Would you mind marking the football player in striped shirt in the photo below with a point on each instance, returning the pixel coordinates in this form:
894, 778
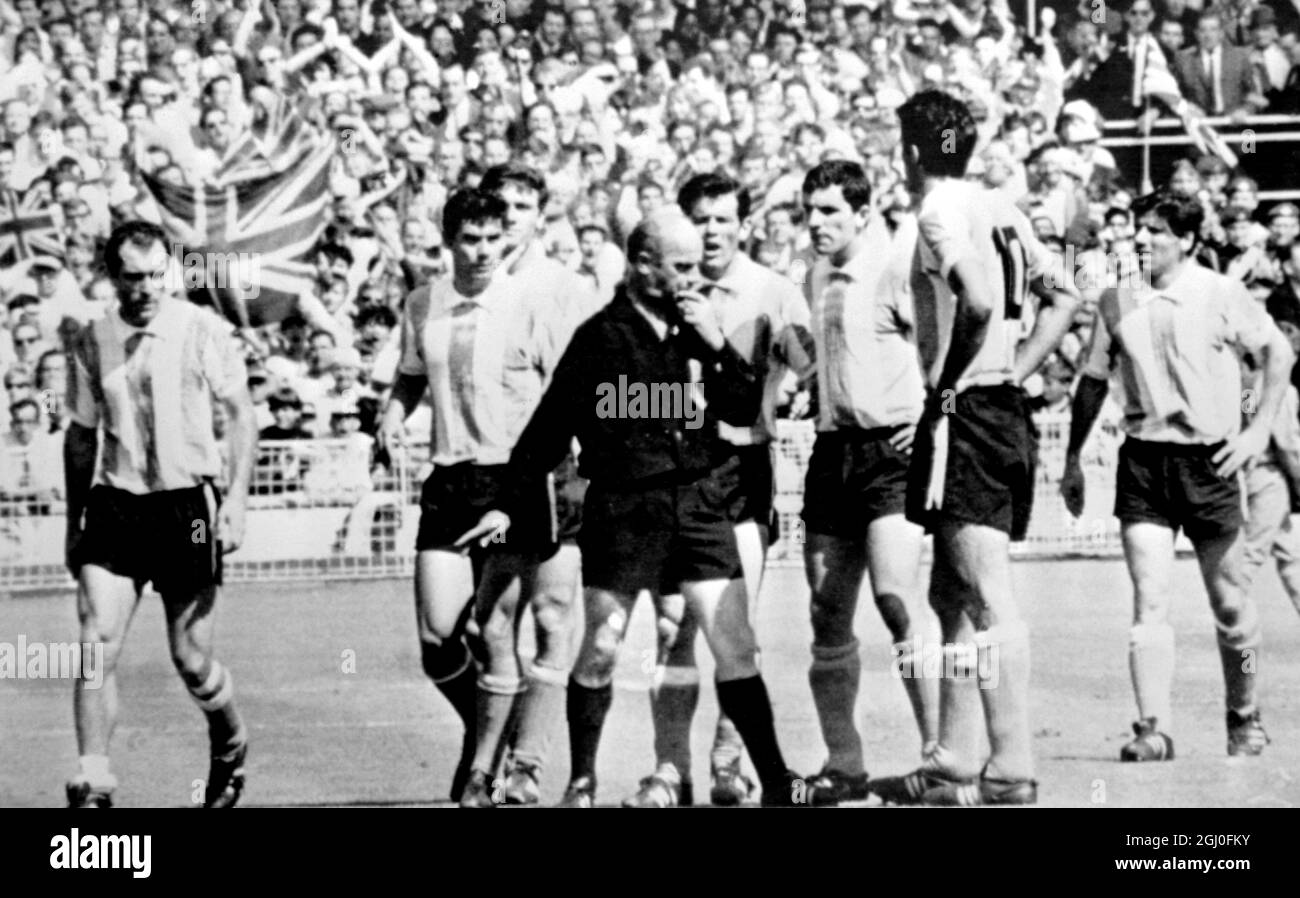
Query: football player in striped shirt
991, 304
142, 460
1173, 347
483, 353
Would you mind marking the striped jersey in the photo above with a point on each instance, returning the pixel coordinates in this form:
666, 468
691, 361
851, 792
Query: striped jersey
1175, 355
862, 319
153, 391
488, 358
961, 220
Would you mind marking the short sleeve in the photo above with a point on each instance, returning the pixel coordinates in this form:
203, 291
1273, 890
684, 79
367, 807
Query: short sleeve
220, 358
1249, 326
411, 361
946, 235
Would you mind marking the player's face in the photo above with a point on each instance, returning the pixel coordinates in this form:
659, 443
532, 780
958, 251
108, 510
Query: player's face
522, 214
717, 219
1159, 249
141, 282
476, 253
832, 223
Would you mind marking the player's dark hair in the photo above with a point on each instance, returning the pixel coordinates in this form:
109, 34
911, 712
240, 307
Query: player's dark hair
847, 175
471, 204
942, 130
140, 234
498, 176
713, 185
1183, 214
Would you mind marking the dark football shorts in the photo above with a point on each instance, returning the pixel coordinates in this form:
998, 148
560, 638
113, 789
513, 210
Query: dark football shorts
992, 458
1176, 486
167, 538
570, 490
854, 477
659, 537
455, 497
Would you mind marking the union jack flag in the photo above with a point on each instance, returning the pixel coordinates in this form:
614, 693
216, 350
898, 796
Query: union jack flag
245, 234
27, 228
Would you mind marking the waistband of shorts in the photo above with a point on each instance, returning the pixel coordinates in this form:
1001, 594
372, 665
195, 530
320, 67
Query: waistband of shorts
160, 495
1185, 450
666, 480
861, 434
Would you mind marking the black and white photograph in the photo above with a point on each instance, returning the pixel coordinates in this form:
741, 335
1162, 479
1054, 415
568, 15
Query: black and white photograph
416, 404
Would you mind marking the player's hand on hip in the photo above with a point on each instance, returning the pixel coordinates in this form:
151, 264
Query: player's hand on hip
904, 438
490, 527
230, 526
698, 312
1236, 452
1072, 487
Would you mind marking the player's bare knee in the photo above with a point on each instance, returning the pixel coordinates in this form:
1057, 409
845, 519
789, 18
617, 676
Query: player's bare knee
893, 611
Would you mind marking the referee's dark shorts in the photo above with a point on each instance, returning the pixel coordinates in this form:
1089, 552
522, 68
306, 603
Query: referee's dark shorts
662, 531
167, 538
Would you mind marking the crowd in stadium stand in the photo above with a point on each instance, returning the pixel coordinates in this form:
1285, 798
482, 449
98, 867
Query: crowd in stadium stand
618, 103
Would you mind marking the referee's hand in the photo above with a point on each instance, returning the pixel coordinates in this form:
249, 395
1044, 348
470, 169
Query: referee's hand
699, 313
491, 527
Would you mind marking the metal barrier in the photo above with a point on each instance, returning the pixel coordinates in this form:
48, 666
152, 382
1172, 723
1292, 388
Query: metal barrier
316, 511
1267, 148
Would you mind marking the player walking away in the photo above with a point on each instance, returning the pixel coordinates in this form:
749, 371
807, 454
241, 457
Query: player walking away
976, 272
1273, 479
1175, 345
534, 704
766, 321
483, 353
870, 396
142, 460
660, 476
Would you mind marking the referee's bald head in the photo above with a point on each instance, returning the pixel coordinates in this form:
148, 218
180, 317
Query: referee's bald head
664, 252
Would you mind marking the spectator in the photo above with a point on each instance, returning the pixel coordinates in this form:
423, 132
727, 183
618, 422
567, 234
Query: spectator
31, 477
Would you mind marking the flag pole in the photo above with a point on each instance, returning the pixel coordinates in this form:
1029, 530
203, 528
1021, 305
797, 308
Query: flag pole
1145, 129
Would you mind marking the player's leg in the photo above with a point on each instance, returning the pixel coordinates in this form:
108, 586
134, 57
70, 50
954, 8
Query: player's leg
506, 576
191, 623
444, 588
955, 756
722, 609
553, 594
1149, 553
591, 687
106, 603
835, 567
1286, 551
674, 696
1239, 634
730, 785
1269, 501
894, 547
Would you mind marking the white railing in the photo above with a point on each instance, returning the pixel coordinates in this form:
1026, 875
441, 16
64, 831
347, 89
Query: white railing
317, 512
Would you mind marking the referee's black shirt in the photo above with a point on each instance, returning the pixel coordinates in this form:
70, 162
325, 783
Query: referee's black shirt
625, 452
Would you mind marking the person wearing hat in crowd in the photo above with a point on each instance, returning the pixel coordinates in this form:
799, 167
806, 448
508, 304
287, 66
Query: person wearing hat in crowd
346, 390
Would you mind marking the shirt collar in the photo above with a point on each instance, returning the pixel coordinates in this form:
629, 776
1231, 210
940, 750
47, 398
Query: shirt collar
155, 328
1188, 287
733, 279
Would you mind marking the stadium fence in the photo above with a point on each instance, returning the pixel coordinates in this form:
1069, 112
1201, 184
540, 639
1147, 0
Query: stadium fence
317, 511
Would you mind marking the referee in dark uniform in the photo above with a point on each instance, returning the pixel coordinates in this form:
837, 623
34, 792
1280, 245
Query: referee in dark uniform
643, 386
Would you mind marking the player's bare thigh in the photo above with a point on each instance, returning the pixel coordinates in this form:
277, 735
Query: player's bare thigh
444, 585
106, 604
